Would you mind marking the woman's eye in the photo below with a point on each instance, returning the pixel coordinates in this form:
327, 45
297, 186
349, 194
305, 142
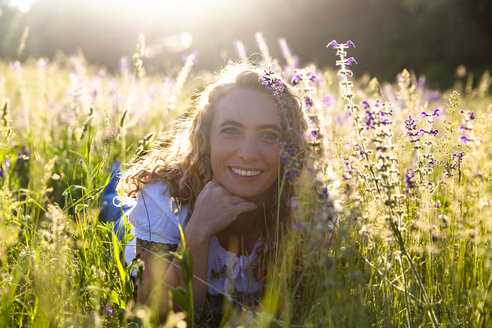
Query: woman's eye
230, 131
270, 136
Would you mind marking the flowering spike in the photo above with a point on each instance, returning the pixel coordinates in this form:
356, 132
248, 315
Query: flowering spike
333, 44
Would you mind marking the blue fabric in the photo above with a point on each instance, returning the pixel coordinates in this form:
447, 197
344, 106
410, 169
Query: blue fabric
109, 211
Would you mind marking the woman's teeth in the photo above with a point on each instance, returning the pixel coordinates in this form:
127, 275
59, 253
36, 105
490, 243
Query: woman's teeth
245, 173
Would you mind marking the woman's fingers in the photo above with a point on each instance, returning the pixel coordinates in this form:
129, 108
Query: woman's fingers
244, 207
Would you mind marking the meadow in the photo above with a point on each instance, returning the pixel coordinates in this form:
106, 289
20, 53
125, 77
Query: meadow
392, 220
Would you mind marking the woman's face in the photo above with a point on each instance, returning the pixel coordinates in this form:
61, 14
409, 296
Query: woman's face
243, 150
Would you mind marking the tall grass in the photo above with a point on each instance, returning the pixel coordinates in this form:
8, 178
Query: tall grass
392, 219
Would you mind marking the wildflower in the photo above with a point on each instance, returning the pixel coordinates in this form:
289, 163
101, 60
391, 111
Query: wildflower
349, 43
290, 157
436, 112
464, 140
42, 63
108, 310
409, 181
458, 156
313, 119
348, 169
309, 102
327, 100
296, 79
297, 226
16, 64
313, 78
333, 44
124, 64
366, 104
293, 204
350, 61
241, 50
369, 119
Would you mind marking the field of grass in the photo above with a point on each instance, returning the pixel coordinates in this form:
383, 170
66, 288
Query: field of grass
393, 221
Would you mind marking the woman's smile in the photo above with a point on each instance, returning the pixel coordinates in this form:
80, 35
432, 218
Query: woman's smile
243, 143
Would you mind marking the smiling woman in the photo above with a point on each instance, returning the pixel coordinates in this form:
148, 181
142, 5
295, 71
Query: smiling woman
220, 169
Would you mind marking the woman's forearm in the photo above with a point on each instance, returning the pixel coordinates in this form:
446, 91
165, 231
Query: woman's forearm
197, 245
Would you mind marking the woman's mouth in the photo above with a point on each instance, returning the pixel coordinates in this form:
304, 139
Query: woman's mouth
245, 173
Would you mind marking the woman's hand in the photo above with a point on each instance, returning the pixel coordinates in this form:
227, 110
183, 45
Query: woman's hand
215, 209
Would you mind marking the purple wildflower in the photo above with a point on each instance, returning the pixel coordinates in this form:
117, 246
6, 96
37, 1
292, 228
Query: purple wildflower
309, 102
472, 115
293, 204
297, 226
410, 124
313, 119
296, 79
434, 132
349, 43
108, 310
424, 114
124, 64
369, 119
436, 112
409, 180
350, 61
366, 104
458, 156
327, 100
313, 78
16, 64
333, 44
314, 134
464, 140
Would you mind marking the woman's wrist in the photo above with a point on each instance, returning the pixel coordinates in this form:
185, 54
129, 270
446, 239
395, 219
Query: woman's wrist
196, 236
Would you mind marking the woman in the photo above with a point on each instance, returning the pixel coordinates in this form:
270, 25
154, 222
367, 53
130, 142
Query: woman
218, 179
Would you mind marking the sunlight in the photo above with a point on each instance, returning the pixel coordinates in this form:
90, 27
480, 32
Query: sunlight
23, 5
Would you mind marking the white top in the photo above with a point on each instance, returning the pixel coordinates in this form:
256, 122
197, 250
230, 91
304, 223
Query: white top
153, 219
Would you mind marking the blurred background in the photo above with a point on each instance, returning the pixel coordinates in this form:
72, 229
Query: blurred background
430, 37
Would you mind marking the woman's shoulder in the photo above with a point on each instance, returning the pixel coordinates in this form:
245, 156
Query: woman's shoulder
155, 215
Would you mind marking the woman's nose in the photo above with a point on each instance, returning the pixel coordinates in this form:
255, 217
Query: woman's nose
248, 148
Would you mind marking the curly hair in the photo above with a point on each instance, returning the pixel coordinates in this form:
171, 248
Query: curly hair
182, 158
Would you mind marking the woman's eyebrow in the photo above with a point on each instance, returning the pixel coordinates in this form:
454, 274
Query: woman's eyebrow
269, 126
231, 122
259, 127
